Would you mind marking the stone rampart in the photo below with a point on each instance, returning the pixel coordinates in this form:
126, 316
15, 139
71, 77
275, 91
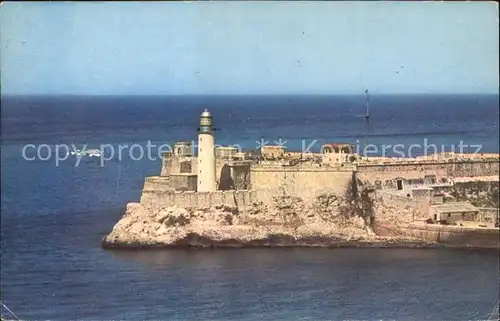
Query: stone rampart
399, 208
155, 200
441, 234
158, 183
474, 168
306, 182
385, 176
419, 169
157, 193
471, 237
184, 182
172, 164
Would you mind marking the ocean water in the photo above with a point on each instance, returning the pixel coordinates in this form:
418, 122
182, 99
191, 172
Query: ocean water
54, 215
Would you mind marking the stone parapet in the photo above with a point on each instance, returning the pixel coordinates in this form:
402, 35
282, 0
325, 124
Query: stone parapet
451, 168
155, 199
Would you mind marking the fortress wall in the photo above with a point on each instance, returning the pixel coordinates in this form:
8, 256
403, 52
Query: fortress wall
269, 182
174, 164
241, 177
414, 170
397, 208
158, 183
387, 175
484, 238
170, 183
422, 200
306, 183
450, 235
231, 176
474, 168
242, 198
154, 200
194, 165
183, 182
166, 165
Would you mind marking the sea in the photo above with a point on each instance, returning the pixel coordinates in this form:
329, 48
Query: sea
55, 209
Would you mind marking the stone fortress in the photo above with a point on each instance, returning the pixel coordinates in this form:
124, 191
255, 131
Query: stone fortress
224, 175
311, 195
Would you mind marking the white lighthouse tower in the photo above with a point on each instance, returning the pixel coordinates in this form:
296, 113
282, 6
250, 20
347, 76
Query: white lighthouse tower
206, 154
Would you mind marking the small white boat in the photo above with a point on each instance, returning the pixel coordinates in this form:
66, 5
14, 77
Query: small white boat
89, 152
94, 153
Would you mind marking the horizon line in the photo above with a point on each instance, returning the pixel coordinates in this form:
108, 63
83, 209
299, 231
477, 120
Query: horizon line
247, 95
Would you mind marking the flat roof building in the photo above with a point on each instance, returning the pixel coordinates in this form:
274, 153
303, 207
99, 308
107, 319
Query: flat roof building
453, 212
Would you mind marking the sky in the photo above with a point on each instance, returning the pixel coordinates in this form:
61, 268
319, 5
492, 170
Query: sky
178, 48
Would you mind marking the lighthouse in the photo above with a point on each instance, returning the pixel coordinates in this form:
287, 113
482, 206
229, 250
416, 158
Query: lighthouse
206, 154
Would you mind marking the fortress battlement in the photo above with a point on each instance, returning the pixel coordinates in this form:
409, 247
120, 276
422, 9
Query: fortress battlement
221, 194
235, 178
304, 168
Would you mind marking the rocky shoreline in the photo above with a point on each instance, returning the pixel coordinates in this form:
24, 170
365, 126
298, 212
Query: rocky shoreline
195, 241
327, 222
200, 242
274, 241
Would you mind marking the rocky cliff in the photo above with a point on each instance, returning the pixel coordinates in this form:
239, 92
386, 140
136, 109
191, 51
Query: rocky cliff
287, 220
328, 220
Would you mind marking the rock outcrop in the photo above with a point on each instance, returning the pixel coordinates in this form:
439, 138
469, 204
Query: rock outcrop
329, 220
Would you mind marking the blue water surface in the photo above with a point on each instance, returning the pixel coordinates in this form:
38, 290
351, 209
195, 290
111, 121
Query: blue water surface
54, 215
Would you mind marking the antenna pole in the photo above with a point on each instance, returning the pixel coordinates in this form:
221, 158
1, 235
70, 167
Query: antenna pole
367, 118
367, 103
